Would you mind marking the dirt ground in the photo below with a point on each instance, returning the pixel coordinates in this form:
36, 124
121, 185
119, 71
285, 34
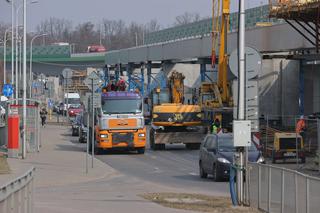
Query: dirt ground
195, 202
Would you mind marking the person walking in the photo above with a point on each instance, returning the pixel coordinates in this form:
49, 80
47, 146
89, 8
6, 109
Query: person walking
43, 116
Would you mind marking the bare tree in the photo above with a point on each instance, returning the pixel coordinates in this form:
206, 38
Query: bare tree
58, 30
187, 18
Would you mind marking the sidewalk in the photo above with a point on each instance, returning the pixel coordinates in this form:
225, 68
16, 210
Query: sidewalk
62, 185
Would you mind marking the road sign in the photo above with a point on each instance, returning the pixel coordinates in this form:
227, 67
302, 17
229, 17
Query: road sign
94, 80
253, 63
96, 100
7, 90
252, 103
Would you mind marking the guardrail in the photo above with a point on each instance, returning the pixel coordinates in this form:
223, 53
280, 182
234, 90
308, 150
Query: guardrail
275, 189
17, 195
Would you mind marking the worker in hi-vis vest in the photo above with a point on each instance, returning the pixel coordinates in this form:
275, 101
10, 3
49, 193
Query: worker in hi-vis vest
216, 126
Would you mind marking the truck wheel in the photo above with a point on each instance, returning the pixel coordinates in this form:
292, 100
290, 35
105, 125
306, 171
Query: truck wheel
151, 139
202, 173
303, 160
141, 150
215, 173
193, 146
97, 151
274, 160
160, 146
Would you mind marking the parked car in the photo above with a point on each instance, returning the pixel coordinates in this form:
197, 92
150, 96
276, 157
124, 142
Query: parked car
83, 134
76, 125
216, 155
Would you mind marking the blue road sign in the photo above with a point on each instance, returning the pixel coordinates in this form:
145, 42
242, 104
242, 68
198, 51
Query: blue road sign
7, 90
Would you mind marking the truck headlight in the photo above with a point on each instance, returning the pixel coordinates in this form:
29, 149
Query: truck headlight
103, 136
141, 135
199, 115
261, 159
223, 160
155, 116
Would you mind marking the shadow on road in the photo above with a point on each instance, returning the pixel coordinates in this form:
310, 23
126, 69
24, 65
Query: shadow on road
66, 147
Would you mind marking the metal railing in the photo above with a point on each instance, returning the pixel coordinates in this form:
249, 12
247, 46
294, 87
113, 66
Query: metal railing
274, 189
17, 195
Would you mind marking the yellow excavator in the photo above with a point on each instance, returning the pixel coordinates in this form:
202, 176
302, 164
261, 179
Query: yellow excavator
172, 120
215, 97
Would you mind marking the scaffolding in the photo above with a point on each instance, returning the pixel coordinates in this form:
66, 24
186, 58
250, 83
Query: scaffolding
302, 15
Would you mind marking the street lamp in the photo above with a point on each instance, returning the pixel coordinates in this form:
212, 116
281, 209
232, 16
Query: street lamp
4, 55
16, 43
12, 37
30, 62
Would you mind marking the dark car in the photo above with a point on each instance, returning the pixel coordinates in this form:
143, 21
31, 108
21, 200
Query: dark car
216, 155
83, 134
76, 125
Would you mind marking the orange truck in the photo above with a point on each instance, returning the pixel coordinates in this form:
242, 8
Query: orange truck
119, 123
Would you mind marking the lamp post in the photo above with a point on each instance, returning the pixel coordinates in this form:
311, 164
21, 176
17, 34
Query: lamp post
12, 38
4, 56
30, 62
24, 101
16, 43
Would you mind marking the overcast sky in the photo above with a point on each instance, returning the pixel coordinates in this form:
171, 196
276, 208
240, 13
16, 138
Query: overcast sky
140, 11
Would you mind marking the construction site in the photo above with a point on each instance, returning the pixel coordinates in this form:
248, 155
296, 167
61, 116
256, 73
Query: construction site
232, 98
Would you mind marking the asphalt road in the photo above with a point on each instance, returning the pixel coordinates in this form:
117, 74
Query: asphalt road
175, 167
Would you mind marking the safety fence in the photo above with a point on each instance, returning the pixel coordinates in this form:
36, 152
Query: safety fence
274, 189
17, 195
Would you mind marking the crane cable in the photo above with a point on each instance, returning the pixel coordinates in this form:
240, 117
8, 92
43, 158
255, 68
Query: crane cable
216, 8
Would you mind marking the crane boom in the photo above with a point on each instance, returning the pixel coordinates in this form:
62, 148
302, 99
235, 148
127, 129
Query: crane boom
219, 39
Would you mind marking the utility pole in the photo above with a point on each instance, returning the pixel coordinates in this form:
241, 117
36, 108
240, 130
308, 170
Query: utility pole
240, 157
12, 40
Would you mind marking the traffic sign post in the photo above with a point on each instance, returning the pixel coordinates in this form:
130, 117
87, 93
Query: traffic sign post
7, 90
93, 82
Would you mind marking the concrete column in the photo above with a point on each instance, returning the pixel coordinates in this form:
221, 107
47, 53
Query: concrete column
149, 73
301, 88
142, 80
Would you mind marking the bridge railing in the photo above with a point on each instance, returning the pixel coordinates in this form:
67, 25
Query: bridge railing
17, 195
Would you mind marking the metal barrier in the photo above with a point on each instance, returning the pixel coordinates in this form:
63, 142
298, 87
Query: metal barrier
274, 189
17, 196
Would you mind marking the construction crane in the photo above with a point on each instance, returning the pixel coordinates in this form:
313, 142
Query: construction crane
219, 39
216, 98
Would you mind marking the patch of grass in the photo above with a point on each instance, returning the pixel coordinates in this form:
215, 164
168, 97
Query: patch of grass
196, 202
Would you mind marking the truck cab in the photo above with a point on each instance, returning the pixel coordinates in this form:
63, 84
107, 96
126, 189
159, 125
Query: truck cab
120, 122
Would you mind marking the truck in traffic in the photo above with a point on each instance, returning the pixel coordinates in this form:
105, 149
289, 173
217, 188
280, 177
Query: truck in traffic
119, 122
71, 100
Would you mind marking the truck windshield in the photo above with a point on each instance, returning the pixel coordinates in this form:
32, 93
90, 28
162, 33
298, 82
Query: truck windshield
122, 106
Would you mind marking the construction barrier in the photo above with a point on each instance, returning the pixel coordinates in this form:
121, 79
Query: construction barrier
32, 125
13, 135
